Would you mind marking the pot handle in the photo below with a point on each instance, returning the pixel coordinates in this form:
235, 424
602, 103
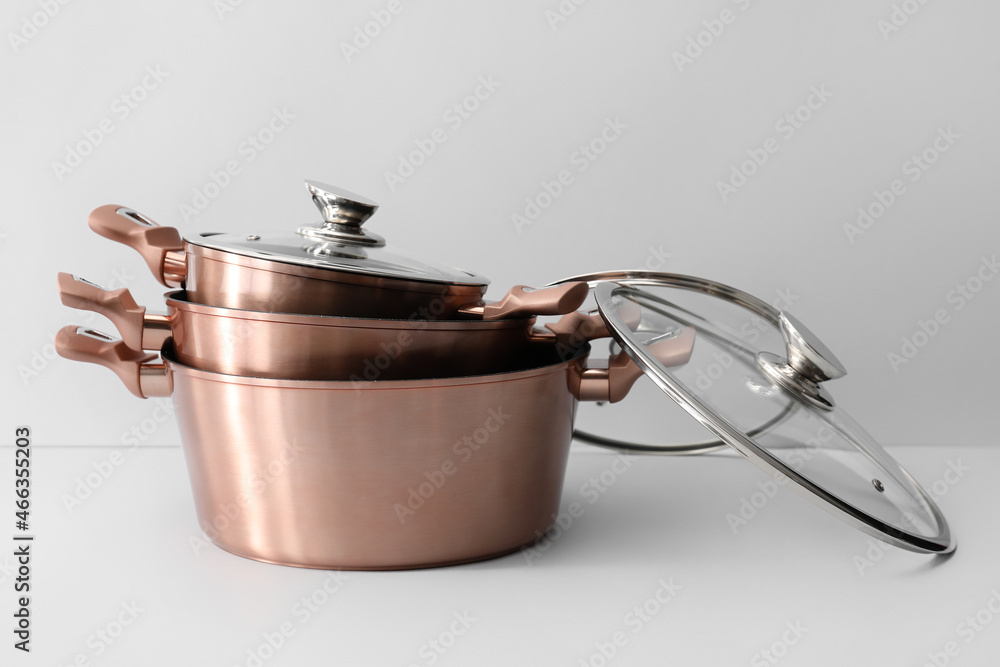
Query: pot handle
142, 378
161, 247
579, 327
138, 330
524, 301
611, 380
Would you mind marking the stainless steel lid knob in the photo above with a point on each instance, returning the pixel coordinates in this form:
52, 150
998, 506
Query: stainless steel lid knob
806, 352
343, 214
809, 363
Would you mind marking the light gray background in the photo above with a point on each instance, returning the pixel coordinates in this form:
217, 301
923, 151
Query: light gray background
652, 191
650, 198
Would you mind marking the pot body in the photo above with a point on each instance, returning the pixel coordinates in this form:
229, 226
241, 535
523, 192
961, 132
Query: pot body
379, 475
217, 278
311, 347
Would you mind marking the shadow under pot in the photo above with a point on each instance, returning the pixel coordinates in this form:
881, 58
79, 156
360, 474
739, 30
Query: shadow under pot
374, 475
331, 268
317, 347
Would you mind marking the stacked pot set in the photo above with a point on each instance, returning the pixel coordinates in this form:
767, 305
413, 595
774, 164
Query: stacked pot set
346, 406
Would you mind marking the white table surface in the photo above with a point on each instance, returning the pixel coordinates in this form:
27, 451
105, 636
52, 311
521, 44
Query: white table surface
663, 520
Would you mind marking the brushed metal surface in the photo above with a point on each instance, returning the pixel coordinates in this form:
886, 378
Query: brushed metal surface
314, 474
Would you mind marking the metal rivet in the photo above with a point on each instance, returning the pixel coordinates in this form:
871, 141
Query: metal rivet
253, 237
878, 485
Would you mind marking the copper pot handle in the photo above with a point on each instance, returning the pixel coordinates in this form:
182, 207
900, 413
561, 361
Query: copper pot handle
142, 378
524, 301
139, 330
611, 380
578, 327
161, 247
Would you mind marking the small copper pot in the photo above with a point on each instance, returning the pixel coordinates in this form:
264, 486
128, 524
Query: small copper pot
316, 347
376, 475
331, 268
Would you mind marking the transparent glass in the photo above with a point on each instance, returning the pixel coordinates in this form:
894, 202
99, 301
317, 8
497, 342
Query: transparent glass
726, 389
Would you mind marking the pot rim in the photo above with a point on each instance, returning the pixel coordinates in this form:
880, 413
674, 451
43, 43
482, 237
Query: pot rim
176, 300
174, 366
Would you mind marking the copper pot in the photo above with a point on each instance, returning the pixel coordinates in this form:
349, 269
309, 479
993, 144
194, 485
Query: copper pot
333, 268
376, 475
317, 347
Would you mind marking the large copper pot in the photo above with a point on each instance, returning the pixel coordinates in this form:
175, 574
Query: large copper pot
377, 475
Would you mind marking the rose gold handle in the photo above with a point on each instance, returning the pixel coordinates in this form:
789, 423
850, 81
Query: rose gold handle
139, 330
611, 381
161, 247
140, 377
577, 327
524, 301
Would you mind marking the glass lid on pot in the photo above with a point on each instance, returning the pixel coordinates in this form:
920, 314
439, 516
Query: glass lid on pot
338, 243
754, 376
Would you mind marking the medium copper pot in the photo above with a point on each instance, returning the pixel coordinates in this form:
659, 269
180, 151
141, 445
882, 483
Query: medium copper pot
377, 475
317, 347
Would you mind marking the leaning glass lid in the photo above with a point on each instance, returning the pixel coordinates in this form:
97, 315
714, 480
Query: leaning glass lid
755, 377
338, 243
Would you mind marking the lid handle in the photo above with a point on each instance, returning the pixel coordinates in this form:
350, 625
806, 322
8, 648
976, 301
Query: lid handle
806, 352
809, 364
343, 214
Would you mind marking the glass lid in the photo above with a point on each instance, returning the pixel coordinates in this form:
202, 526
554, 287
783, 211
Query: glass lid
338, 243
754, 378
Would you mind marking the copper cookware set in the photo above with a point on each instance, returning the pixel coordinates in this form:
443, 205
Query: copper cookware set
363, 376
344, 406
